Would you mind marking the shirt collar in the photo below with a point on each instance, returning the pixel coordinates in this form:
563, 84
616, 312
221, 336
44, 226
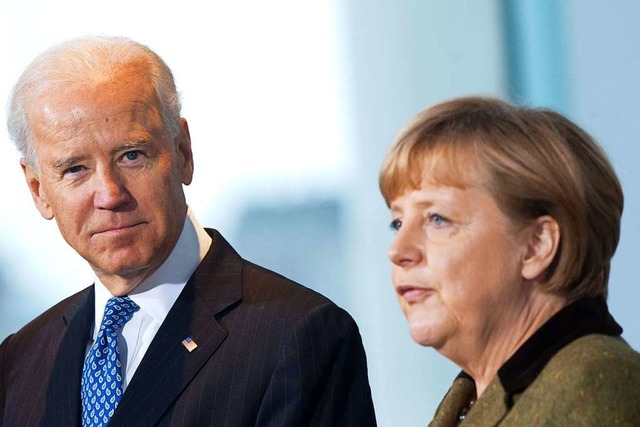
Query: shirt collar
157, 293
583, 317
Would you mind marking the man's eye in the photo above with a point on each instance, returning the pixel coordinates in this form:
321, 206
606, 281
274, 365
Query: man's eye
395, 225
74, 169
132, 155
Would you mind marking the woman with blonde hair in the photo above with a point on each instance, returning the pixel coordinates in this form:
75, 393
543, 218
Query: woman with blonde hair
506, 220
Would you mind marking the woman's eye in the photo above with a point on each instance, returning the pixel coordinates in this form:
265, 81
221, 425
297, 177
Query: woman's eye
437, 220
395, 225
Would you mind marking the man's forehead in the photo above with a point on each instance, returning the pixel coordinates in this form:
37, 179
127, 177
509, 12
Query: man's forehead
75, 97
135, 76
87, 115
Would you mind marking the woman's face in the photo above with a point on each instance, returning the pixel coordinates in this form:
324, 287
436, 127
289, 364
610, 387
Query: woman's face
457, 261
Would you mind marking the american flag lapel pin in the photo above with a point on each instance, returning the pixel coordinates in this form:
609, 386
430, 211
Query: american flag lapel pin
189, 344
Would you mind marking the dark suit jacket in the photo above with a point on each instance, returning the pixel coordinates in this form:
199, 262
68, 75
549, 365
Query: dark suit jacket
270, 353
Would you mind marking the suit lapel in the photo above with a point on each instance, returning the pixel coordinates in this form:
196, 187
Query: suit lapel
168, 366
63, 395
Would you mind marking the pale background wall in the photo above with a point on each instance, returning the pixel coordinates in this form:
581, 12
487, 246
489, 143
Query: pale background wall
316, 92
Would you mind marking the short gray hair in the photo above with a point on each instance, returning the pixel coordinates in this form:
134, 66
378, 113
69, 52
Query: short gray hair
76, 59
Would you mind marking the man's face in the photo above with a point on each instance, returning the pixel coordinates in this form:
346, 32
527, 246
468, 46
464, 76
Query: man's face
110, 174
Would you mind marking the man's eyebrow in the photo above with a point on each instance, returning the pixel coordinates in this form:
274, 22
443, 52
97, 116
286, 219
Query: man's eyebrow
134, 144
64, 164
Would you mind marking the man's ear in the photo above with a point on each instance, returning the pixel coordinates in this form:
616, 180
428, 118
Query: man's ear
37, 194
543, 241
185, 154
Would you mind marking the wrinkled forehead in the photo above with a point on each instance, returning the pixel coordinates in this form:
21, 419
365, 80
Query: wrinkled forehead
73, 98
440, 162
104, 80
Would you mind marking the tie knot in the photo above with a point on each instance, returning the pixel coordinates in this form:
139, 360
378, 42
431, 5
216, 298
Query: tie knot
117, 312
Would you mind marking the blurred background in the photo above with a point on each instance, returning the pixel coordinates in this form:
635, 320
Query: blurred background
295, 104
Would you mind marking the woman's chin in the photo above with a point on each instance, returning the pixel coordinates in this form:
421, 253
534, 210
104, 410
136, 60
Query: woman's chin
425, 333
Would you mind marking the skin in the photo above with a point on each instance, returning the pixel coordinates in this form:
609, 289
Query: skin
110, 174
466, 275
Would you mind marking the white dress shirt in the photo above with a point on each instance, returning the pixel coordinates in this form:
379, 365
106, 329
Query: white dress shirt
155, 296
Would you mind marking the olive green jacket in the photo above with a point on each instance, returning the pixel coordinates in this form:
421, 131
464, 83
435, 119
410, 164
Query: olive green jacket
593, 380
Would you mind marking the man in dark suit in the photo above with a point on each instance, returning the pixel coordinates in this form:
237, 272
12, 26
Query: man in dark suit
178, 329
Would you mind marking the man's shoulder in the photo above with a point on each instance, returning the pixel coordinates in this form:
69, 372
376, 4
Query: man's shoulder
258, 281
258, 285
265, 288
50, 320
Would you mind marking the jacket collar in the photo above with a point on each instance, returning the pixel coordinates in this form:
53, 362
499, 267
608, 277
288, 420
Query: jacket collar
167, 366
62, 406
583, 317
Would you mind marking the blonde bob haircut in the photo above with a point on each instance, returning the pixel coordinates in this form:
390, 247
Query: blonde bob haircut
534, 162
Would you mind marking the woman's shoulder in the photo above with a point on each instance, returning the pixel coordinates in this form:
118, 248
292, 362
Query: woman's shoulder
594, 378
597, 357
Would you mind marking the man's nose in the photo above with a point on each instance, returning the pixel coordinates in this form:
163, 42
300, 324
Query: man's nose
110, 191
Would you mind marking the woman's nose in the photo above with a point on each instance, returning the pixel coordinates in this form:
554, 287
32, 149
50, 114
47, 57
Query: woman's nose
407, 248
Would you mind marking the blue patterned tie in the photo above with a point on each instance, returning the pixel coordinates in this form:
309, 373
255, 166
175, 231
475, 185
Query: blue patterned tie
102, 372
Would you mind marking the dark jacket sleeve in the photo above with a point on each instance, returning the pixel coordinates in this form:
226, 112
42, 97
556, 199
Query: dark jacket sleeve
3, 349
321, 375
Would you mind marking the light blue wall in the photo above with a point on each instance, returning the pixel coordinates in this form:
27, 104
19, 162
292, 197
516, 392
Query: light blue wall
583, 58
535, 47
392, 58
399, 58
603, 65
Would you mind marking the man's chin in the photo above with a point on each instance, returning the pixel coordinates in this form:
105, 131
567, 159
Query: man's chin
129, 272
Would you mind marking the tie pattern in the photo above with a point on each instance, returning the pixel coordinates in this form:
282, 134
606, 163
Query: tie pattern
102, 372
